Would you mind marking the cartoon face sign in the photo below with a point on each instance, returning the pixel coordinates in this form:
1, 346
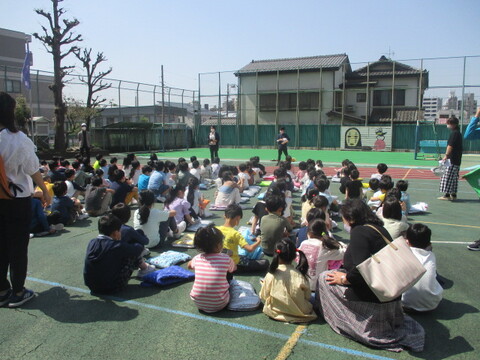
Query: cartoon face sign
353, 138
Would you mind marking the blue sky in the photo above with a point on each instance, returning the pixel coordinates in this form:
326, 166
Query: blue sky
190, 37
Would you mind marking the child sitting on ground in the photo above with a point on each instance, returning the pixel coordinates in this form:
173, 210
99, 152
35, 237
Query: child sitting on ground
69, 209
391, 214
73, 189
373, 184
384, 186
96, 164
285, 290
233, 239
215, 168
402, 185
176, 201
302, 170
156, 224
194, 197
124, 192
97, 197
243, 177
381, 169
302, 234
307, 204
274, 226
318, 165
109, 262
132, 236
210, 289
195, 169
206, 171
354, 187
144, 178
323, 252
426, 294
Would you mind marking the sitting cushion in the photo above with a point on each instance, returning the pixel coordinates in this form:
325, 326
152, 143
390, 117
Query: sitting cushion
242, 296
168, 276
265, 183
250, 192
168, 258
262, 195
198, 225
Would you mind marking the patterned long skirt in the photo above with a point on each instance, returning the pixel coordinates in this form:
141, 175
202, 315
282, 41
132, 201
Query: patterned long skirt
449, 180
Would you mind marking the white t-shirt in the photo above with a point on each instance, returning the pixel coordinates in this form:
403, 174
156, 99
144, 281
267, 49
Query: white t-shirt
152, 227
426, 294
70, 188
215, 169
20, 160
195, 172
245, 177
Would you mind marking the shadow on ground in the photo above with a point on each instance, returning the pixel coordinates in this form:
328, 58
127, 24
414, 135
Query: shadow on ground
63, 307
439, 344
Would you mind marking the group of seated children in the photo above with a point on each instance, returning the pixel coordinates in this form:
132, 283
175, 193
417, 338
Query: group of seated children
286, 290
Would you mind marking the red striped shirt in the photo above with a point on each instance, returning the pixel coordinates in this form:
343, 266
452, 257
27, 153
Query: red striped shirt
210, 289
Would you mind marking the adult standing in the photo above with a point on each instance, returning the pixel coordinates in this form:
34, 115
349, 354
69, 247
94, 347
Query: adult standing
213, 142
282, 142
346, 301
449, 180
21, 166
473, 133
84, 141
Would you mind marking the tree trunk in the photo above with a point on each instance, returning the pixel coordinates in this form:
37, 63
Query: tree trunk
58, 86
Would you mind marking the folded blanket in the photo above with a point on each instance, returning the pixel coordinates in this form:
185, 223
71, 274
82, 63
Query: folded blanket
168, 258
242, 296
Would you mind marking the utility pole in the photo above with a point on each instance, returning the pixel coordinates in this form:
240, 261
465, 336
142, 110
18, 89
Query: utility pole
163, 112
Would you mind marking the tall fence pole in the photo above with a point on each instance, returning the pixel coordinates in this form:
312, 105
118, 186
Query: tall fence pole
119, 101
463, 94
297, 110
163, 112
219, 110
367, 96
319, 130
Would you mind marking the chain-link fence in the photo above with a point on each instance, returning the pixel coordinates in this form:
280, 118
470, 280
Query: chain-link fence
316, 106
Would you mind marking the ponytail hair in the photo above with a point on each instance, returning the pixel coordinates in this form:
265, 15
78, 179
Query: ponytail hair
135, 165
192, 184
310, 195
286, 250
172, 194
146, 199
317, 228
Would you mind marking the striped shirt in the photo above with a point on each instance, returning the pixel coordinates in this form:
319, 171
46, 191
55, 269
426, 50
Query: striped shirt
210, 289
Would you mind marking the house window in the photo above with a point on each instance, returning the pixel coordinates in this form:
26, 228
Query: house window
13, 86
288, 101
384, 98
361, 97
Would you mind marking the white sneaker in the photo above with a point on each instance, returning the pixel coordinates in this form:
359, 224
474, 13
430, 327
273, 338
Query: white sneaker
170, 234
150, 268
145, 252
83, 216
57, 227
207, 214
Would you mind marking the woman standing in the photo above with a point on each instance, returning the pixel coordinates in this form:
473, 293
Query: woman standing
21, 166
345, 299
213, 141
449, 181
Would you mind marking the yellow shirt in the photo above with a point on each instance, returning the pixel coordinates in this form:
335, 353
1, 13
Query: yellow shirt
49, 187
282, 303
306, 206
96, 165
233, 239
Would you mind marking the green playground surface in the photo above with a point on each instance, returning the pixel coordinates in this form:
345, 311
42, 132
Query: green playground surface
66, 321
392, 159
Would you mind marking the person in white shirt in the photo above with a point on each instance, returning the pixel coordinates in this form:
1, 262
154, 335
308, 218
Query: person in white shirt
243, 177
195, 169
426, 294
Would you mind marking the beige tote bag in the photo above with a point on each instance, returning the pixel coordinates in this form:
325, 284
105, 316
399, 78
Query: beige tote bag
392, 270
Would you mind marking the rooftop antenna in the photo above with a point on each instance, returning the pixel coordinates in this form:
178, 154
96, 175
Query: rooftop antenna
390, 53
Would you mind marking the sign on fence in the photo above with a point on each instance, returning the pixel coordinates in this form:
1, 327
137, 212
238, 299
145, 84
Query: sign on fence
368, 138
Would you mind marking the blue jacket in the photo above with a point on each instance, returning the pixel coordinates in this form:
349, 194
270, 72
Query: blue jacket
473, 130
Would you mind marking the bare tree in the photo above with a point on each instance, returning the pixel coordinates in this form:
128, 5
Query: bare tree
93, 80
54, 39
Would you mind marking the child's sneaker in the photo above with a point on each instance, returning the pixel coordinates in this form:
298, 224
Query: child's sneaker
83, 216
142, 272
145, 252
5, 299
16, 301
57, 227
474, 246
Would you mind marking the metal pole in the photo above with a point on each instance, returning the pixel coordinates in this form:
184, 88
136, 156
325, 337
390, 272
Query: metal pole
163, 111
226, 107
297, 122
119, 102
199, 113
463, 93
238, 114
169, 106
343, 94
276, 101
367, 96
420, 91
393, 96
137, 103
256, 109
319, 130
183, 109
154, 104
219, 110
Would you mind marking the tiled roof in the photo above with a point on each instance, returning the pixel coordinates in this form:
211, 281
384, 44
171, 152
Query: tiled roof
400, 116
384, 67
303, 63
